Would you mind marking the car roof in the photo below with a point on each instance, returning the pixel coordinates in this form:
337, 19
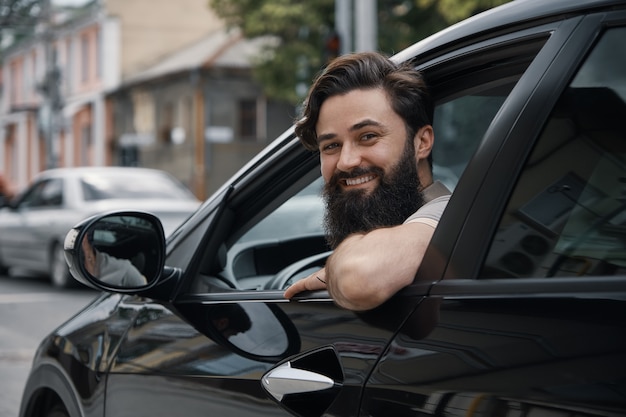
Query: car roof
509, 16
79, 171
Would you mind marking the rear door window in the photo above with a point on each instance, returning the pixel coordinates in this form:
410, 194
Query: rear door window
567, 213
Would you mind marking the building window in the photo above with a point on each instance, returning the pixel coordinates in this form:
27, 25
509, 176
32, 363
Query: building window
247, 119
84, 51
14, 84
69, 66
167, 122
98, 54
33, 74
85, 147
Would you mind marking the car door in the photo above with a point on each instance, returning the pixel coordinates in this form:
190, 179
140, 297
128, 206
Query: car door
255, 238
25, 238
207, 351
529, 320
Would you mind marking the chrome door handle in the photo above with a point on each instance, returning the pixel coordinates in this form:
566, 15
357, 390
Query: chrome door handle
285, 380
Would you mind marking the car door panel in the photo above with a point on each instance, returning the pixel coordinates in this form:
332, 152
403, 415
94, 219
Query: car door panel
490, 355
217, 376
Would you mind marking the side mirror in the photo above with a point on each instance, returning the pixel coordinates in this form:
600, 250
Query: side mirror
122, 252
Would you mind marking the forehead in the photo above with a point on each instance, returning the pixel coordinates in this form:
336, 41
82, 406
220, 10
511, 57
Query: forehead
345, 110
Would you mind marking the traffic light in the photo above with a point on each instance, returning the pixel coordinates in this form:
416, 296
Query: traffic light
332, 47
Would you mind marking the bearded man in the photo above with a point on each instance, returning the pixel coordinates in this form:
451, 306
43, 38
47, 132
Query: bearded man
371, 122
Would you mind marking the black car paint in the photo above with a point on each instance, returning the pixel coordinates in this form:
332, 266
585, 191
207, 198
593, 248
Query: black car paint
394, 362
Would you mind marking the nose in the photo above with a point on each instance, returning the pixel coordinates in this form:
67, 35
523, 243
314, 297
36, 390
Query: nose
349, 158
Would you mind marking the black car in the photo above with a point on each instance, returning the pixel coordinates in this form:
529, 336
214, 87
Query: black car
519, 308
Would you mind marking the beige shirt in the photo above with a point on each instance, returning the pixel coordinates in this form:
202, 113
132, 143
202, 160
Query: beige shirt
436, 197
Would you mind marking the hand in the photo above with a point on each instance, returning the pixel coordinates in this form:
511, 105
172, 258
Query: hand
90, 257
315, 281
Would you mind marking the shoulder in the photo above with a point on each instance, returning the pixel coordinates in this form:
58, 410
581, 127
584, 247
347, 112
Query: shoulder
437, 197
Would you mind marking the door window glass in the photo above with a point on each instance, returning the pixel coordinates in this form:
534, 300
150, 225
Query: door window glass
459, 126
567, 214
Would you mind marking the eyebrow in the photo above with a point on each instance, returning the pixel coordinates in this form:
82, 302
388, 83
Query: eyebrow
353, 128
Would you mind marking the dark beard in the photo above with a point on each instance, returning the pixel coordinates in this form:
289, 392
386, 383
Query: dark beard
390, 204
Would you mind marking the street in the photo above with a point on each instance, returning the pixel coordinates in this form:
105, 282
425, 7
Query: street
29, 309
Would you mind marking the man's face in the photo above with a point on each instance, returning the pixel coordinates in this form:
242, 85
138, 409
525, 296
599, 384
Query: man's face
368, 164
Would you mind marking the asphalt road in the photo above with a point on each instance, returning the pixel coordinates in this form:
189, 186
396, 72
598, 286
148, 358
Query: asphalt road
29, 309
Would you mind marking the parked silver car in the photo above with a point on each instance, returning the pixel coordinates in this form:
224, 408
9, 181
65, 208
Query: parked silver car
33, 226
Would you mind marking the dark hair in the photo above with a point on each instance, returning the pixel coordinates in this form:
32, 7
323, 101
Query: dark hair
403, 84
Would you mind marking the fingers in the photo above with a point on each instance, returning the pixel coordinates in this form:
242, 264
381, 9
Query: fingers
297, 287
315, 281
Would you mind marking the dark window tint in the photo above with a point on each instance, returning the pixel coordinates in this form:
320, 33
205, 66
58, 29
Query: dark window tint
567, 214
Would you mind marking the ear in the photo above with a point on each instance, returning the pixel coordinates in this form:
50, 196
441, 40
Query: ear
423, 141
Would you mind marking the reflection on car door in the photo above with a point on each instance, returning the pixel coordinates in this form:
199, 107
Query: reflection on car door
164, 357
489, 356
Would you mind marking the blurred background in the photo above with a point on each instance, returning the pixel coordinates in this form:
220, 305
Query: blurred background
192, 87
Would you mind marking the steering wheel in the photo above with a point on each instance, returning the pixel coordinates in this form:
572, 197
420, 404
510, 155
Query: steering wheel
296, 271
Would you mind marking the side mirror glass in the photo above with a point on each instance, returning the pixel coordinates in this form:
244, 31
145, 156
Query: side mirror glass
116, 251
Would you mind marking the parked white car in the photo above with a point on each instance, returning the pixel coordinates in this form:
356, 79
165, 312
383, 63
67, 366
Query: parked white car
33, 226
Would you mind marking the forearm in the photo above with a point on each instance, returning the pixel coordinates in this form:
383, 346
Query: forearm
366, 270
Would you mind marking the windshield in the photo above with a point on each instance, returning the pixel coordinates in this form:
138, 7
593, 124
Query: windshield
132, 186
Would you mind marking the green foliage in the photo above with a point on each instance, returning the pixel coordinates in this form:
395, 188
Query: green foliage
302, 28
18, 17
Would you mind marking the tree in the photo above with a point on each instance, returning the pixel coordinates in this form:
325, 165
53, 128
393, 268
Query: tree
303, 32
18, 17
299, 29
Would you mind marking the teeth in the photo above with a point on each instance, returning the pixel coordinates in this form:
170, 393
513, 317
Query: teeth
360, 180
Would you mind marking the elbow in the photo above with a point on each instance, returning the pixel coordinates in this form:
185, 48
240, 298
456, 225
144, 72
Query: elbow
355, 291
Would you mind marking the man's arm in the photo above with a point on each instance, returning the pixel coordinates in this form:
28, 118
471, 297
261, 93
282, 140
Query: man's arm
365, 270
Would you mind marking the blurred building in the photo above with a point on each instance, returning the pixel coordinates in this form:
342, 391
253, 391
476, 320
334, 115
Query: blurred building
197, 113
154, 83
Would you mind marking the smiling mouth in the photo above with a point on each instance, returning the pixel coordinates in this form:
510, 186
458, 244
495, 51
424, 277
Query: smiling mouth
359, 180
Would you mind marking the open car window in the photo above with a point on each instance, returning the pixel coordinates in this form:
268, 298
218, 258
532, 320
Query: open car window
287, 242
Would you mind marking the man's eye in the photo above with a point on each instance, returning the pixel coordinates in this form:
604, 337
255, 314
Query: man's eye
329, 147
368, 136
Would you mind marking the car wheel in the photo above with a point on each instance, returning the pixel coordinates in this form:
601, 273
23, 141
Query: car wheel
59, 271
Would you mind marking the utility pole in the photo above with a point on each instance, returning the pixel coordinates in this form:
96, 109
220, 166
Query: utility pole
356, 23
50, 88
343, 25
366, 25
